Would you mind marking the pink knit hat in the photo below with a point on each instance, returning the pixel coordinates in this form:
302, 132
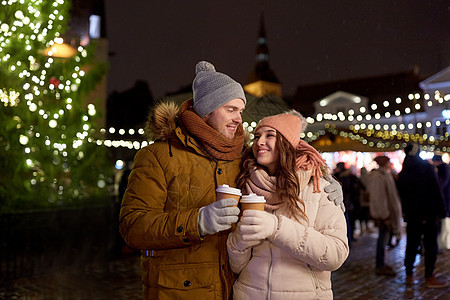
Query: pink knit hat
290, 126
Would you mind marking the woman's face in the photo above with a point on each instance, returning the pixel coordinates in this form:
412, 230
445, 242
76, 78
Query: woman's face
264, 148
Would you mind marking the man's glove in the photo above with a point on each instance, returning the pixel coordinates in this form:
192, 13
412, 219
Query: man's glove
334, 190
235, 240
217, 216
258, 225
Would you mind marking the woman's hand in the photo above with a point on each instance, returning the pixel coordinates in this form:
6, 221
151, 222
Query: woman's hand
257, 225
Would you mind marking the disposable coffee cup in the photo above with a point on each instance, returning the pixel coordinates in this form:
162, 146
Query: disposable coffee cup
252, 201
224, 192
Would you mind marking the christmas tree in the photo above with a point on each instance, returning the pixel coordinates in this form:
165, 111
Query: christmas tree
49, 155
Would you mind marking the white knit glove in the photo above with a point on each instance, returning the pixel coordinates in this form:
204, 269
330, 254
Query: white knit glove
334, 190
258, 225
217, 216
236, 242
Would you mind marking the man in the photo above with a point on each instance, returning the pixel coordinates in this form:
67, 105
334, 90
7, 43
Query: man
351, 187
385, 209
422, 207
169, 209
443, 173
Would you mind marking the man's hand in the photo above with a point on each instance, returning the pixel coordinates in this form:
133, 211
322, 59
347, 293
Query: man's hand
217, 216
334, 190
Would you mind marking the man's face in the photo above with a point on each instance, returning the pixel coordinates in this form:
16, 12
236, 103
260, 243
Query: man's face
226, 118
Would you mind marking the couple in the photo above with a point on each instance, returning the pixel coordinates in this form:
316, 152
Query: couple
170, 212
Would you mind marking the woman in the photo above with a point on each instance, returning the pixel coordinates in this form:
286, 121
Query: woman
385, 209
289, 250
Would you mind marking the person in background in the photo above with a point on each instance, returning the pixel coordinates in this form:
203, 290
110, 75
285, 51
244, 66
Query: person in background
443, 172
385, 209
350, 187
423, 207
364, 212
169, 210
288, 250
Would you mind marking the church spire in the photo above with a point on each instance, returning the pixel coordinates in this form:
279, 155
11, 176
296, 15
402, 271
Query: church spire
262, 80
262, 50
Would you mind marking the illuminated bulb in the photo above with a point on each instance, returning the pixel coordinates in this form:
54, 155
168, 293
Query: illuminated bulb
32, 107
52, 123
319, 117
23, 139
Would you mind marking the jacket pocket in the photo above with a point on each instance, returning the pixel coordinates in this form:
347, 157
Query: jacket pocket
314, 279
187, 276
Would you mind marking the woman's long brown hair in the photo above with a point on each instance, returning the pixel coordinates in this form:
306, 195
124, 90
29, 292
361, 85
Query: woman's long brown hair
287, 186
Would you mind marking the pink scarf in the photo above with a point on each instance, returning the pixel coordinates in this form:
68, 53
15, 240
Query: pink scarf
309, 159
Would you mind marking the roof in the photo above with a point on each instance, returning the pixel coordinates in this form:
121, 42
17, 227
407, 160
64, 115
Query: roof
438, 81
376, 88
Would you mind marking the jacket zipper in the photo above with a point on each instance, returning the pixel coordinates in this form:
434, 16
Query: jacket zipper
269, 278
313, 275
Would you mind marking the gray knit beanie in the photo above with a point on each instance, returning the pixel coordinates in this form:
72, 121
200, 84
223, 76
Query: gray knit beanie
213, 89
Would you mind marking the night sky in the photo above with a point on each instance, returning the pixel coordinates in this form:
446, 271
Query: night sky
309, 41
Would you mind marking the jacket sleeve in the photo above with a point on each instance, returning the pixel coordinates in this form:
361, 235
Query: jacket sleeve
143, 221
238, 259
323, 245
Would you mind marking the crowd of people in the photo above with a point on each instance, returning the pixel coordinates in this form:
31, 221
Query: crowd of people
193, 245
418, 196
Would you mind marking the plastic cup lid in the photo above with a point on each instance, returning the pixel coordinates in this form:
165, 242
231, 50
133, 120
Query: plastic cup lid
252, 198
228, 190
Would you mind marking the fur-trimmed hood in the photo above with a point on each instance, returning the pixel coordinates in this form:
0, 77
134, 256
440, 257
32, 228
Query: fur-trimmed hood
161, 121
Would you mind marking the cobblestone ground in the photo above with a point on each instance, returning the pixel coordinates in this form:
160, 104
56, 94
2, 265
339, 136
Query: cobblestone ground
119, 279
356, 279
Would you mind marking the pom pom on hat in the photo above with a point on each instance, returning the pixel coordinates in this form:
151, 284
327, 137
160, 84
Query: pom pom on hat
204, 66
212, 89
